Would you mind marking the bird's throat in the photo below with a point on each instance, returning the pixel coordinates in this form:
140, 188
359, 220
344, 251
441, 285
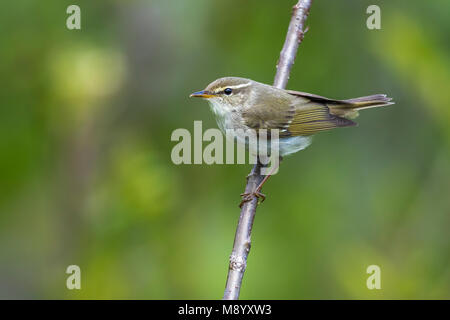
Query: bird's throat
223, 115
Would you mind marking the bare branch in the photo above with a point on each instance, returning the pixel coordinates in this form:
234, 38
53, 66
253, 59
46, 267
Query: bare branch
293, 38
242, 240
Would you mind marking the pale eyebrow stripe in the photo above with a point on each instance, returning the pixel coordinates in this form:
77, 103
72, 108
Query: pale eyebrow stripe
234, 87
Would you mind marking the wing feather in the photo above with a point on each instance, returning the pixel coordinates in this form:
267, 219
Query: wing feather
306, 115
313, 118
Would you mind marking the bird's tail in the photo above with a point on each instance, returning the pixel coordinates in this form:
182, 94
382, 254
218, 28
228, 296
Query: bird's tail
346, 108
349, 108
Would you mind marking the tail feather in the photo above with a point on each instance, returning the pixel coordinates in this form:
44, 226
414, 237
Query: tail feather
349, 108
376, 100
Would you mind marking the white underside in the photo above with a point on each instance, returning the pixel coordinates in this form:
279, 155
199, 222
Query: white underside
293, 144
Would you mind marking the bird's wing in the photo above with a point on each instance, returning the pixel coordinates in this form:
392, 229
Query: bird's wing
277, 115
297, 117
313, 117
315, 97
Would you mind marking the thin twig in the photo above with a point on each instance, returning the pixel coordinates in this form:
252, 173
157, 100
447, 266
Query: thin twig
242, 240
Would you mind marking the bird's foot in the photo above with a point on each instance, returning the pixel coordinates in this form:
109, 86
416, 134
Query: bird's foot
246, 197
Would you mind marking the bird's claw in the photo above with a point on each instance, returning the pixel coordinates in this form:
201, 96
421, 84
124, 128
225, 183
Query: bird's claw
250, 195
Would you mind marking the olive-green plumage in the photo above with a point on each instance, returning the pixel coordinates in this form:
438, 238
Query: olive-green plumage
241, 103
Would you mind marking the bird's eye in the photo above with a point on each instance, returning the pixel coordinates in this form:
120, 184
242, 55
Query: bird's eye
228, 91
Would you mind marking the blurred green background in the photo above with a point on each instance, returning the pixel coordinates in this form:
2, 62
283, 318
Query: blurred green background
86, 175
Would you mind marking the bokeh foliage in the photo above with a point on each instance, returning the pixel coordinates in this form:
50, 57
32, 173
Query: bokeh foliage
86, 176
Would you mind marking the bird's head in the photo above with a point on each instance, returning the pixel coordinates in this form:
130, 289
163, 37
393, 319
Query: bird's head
227, 94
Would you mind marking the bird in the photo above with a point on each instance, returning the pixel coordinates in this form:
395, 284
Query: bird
240, 103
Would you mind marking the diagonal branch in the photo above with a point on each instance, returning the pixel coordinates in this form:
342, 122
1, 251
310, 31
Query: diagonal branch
242, 240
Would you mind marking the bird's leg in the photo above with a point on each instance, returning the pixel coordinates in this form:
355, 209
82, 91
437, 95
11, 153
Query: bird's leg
272, 170
257, 192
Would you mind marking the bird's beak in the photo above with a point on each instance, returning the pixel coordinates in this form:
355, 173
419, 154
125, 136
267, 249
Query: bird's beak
202, 94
